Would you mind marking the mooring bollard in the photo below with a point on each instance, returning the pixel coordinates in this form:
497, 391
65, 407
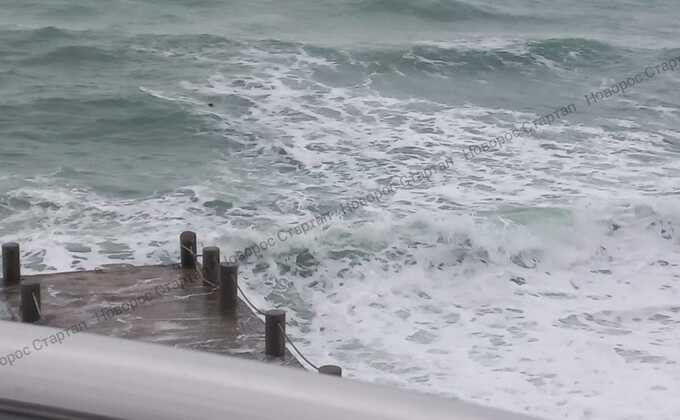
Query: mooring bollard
30, 302
11, 263
331, 370
228, 286
275, 332
211, 265
188, 249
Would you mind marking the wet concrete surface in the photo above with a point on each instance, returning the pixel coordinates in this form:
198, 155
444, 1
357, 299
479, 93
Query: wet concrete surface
158, 304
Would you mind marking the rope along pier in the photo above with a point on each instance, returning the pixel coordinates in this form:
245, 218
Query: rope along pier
223, 278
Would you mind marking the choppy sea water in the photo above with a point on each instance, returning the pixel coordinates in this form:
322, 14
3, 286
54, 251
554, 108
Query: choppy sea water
542, 277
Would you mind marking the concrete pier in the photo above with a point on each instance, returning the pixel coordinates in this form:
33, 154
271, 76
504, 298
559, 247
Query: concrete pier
159, 304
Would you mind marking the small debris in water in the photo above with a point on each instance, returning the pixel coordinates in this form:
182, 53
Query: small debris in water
601, 271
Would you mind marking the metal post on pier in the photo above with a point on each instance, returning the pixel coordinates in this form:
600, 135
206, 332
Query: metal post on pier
331, 370
30, 302
228, 286
11, 263
188, 249
275, 333
211, 265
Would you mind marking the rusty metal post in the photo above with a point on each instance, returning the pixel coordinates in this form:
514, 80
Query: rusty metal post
30, 302
331, 370
188, 249
11, 263
228, 286
275, 332
211, 265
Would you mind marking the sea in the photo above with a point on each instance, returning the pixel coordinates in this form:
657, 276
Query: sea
363, 161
